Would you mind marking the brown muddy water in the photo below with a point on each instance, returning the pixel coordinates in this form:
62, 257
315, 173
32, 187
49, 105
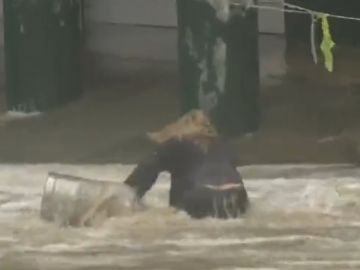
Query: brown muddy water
302, 217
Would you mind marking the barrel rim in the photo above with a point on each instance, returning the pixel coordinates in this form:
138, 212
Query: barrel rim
69, 177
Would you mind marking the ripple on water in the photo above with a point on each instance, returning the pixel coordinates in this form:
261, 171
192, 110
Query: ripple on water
293, 224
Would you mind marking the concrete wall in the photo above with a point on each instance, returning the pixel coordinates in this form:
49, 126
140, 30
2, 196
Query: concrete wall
272, 42
132, 28
143, 12
129, 29
163, 13
271, 21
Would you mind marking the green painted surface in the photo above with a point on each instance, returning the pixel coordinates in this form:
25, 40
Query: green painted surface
43, 53
219, 65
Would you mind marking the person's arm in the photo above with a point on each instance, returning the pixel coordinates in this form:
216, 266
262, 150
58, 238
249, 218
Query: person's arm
143, 177
166, 156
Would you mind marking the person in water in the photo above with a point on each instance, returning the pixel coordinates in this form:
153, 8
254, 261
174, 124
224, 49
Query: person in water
204, 178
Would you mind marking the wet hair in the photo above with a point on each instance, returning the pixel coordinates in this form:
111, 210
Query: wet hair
194, 125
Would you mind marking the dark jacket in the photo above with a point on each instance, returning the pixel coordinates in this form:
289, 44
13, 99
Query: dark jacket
204, 180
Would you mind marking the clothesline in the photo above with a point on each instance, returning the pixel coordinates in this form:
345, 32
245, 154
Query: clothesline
327, 43
291, 8
313, 12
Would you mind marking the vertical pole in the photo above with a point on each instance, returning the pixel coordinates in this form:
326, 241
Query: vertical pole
218, 63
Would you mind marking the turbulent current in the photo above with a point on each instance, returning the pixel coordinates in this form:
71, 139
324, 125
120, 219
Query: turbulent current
301, 217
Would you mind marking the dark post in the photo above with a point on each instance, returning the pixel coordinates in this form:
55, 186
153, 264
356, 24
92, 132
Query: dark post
43, 42
218, 63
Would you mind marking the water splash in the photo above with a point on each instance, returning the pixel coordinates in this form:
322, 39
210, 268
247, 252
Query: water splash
295, 221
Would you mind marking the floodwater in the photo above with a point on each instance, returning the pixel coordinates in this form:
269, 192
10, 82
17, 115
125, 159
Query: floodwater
302, 217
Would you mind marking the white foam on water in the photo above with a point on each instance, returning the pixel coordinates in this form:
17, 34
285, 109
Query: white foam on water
280, 194
345, 263
77, 247
64, 262
248, 241
314, 195
324, 200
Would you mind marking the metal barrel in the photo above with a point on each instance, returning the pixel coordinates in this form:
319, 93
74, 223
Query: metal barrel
75, 201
